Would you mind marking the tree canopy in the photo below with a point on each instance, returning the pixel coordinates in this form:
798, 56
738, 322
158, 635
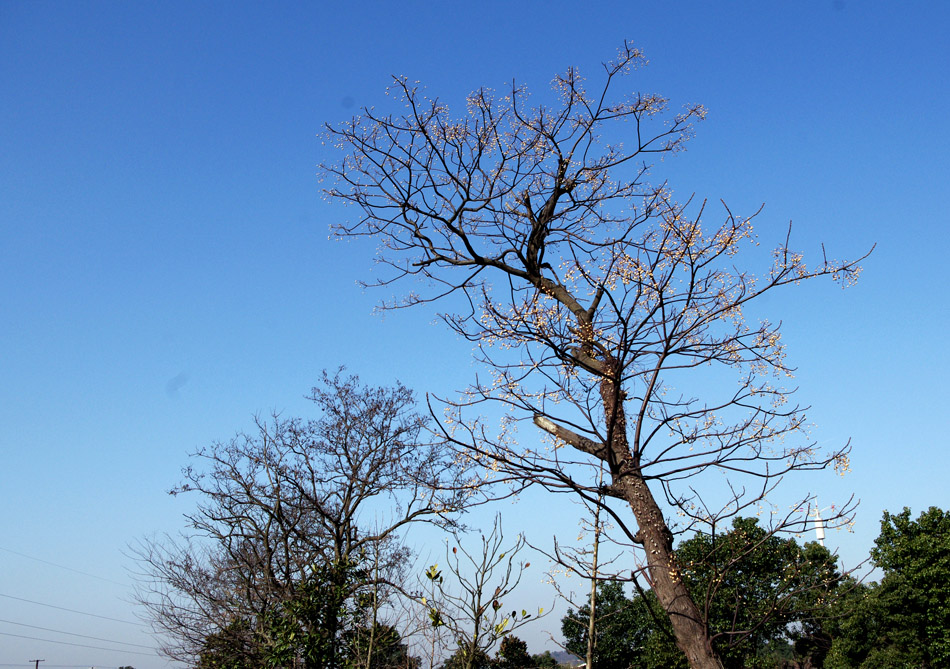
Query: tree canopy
621, 628
904, 620
293, 522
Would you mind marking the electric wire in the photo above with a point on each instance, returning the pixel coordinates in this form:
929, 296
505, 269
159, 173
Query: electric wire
80, 645
30, 557
62, 608
84, 636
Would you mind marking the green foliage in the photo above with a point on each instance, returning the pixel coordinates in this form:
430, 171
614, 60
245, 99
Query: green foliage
231, 648
310, 625
905, 620
317, 627
513, 654
915, 556
621, 629
759, 593
754, 585
854, 626
461, 659
544, 660
380, 647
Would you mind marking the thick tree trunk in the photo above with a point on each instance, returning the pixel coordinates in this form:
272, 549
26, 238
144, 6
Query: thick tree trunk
688, 627
666, 580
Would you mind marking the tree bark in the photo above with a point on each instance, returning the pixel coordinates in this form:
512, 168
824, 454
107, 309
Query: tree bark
667, 582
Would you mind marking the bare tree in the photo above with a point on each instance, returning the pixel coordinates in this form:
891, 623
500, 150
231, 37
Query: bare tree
472, 606
293, 501
598, 302
588, 563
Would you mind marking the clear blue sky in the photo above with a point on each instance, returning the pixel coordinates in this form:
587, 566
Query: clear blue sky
165, 270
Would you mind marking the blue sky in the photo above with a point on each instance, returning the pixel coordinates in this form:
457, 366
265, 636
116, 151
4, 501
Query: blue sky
165, 268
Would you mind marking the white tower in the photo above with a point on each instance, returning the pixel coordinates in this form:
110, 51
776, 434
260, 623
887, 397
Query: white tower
819, 527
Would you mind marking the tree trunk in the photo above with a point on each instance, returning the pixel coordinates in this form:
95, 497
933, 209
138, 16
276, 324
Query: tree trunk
666, 579
688, 626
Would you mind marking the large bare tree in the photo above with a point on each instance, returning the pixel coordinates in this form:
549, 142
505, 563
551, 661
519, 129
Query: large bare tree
292, 501
607, 312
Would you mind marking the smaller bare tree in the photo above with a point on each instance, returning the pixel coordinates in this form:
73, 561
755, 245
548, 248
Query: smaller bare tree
293, 501
585, 562
471, 607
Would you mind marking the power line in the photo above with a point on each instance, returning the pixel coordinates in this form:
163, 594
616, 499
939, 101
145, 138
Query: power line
61, 608
80, 645
84, 636
30, 557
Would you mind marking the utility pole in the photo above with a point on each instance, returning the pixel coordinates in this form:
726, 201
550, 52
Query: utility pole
591, 629
36, 663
